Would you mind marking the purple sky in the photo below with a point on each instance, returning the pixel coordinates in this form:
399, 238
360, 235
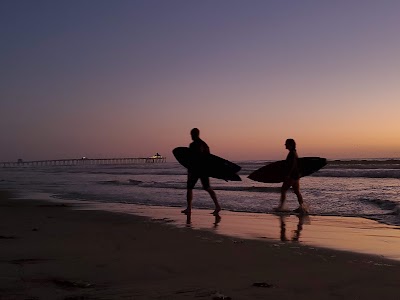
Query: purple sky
131, 78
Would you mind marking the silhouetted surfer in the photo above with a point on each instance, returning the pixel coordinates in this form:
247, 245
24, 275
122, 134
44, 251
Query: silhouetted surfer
292, 178
199, 148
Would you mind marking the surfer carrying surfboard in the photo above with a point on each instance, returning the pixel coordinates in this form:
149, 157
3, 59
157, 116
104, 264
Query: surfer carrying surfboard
292, 178
199, 149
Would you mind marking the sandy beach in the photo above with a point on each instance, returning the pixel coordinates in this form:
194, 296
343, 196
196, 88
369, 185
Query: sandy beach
58, 251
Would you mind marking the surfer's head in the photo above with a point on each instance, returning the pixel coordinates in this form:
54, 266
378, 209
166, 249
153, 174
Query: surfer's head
195, 133
290, 144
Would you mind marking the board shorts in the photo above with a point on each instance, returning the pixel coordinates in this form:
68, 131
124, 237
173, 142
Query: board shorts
193, 178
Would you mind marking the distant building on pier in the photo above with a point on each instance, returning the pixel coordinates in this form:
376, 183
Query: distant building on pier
156, 156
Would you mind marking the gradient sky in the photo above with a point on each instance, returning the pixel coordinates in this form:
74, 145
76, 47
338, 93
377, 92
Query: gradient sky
131, 78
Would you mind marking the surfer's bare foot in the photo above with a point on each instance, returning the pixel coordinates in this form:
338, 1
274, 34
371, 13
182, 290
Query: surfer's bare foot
186, 211
216, 212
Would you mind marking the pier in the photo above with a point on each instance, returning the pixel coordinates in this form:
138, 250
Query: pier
84, 161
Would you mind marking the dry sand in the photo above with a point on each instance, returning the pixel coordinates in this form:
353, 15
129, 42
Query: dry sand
50, 251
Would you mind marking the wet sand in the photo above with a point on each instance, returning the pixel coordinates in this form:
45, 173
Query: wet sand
59, 250
339, 233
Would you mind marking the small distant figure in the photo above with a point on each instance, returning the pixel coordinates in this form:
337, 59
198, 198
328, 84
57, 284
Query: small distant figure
199, 148
156, 156
292, 179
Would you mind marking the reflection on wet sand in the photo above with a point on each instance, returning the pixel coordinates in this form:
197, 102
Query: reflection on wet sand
188, 220
217, 220
296, 233
341, 233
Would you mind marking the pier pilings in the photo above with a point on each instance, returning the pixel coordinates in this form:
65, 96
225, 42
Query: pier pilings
83, 161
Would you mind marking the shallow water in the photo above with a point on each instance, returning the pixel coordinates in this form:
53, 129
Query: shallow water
359, 188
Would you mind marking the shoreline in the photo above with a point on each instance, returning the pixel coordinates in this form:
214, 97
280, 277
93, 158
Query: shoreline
351, 234
68, 251
338, 233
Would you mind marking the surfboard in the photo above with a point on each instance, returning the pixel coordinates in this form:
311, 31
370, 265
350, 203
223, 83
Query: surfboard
210, 165
275, 172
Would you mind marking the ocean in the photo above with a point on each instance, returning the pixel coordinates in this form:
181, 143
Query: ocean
355, 188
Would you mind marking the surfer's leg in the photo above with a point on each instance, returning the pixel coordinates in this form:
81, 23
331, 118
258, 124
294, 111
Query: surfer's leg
296, 189
214, 198
205, 181
191, 182
284, 188
189, 197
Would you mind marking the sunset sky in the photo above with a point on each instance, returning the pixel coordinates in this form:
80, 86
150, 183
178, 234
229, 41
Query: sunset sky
131, 78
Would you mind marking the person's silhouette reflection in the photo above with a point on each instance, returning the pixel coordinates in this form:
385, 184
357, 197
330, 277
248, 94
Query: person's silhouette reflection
283, 228
189, 220
296, 233
217, 220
